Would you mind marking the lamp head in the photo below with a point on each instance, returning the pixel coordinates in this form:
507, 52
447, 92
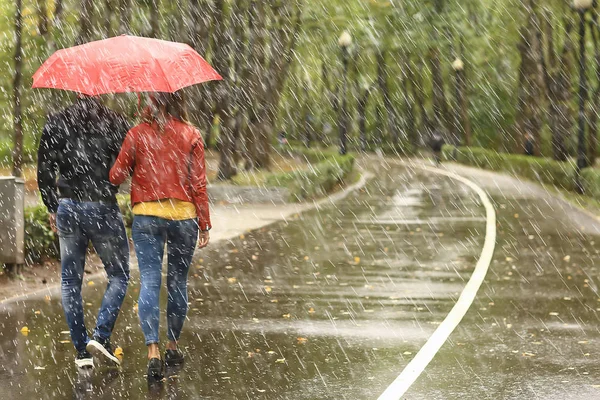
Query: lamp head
345, 40
458, 64
582, 5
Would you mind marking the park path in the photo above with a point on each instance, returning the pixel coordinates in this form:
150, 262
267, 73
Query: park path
333, 303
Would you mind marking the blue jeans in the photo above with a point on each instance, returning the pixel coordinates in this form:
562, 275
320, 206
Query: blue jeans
78, 223
150, 234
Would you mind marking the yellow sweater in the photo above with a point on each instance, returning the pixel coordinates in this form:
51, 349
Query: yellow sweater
173, 209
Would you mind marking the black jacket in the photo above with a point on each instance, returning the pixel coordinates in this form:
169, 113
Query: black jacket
436, 141
78, 147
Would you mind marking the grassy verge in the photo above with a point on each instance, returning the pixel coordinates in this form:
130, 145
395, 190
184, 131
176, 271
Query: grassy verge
555, 177
327, 170
538, 169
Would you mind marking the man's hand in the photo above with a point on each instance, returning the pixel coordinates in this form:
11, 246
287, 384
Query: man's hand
203, 238
52, 219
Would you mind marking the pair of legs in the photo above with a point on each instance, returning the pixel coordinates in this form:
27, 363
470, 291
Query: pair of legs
78, 223
150, 235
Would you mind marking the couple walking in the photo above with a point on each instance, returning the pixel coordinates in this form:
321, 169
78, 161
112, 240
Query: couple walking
85, 152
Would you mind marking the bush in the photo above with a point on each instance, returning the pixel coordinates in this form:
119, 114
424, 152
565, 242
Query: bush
40, 242
560, 174
6, 148
590, 179
327, 170
124, 201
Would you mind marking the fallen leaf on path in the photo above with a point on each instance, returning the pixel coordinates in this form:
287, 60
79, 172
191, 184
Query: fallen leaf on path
119, 353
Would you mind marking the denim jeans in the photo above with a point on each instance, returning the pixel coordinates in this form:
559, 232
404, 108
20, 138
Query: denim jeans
78, 223
150, 234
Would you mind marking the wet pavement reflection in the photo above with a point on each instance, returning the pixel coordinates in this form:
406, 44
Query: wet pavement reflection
328, 305
533, 330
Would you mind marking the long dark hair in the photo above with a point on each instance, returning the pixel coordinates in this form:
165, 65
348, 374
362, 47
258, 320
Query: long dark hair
174, 104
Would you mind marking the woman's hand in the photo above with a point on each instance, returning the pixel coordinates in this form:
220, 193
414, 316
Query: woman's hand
203, 239
52, 220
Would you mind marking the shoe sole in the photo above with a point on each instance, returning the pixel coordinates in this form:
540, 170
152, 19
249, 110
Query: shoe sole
175, 363
97, 350
85, 363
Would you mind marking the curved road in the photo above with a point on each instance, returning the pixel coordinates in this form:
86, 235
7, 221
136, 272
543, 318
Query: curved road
333, 304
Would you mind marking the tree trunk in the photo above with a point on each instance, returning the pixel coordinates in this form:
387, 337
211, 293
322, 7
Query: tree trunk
86, 22
528, 118
441, 118
463, 125
223, 107
425, 128
362, 117
306, 128
409, 99
109, 11
556, 73
42, 11
124, 16
155, 19
595, 98
17, 112
382, 75
201, 14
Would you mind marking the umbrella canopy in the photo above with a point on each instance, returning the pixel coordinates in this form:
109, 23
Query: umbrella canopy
124, 64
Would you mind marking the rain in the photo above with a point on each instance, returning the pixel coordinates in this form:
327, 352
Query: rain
299, 199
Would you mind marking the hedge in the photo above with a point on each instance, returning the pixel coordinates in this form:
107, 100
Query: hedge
327, 169
590, 179
559, 174
40, 242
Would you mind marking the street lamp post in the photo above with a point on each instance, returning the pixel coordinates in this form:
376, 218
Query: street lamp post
345, 41
581, 6
461, 114
458, 67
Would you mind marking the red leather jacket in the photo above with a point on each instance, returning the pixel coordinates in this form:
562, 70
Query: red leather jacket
168, 165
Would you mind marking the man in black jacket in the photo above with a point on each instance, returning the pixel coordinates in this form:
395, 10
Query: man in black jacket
78, 147
437, 142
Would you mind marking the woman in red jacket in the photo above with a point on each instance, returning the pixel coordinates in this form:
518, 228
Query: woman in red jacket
170, 206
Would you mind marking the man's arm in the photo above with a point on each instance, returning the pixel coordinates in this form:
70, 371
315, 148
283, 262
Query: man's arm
123, 166
47, 171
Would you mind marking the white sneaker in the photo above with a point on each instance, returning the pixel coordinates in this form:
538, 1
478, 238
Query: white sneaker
84, 360
102, 352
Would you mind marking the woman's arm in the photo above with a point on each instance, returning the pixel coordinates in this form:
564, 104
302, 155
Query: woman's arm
125, 161
198, 185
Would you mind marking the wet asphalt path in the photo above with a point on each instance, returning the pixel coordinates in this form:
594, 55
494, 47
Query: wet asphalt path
533, 330
333, 304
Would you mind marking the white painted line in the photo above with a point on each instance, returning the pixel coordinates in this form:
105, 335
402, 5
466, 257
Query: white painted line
418, 364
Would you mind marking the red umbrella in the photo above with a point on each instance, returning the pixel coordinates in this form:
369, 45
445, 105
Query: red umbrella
124, 64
